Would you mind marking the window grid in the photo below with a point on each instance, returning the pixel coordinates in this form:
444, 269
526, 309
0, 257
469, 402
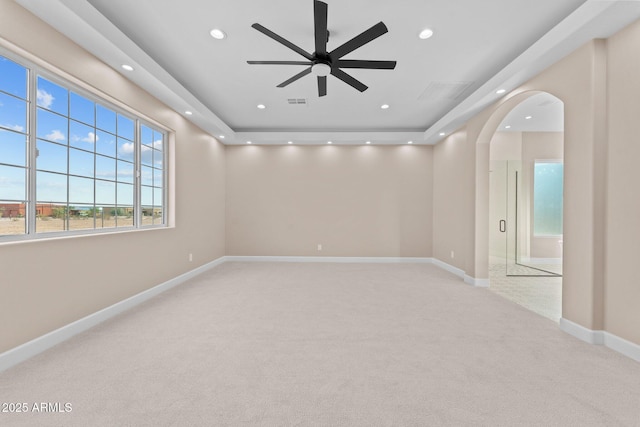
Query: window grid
14, 107
73, 181
152, 177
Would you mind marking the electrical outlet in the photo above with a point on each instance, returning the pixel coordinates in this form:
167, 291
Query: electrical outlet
453, 255
319, 246
190, 257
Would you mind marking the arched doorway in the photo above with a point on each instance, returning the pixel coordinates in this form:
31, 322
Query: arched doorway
525, 237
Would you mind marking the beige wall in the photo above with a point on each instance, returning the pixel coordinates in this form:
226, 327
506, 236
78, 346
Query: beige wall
601, 233
574, 81
47, 284
453, 227
578, 82
506, 146
622, 292
353, 200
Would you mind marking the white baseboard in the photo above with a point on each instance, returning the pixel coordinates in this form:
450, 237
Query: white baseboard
469, 280
481, 283
605, 338
38, 345
451, 269
329, 259
622, 346
580, 332
25, 351
478, 283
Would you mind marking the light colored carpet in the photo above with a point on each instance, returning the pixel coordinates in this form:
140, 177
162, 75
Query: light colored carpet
327, 345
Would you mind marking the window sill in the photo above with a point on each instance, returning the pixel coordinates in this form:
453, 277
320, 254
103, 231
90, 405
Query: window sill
11, 240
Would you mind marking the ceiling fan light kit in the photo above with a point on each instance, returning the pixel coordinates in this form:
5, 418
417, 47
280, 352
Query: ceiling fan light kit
321, 69
322, 63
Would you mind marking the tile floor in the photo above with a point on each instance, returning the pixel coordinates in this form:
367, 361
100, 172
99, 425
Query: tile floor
542, 295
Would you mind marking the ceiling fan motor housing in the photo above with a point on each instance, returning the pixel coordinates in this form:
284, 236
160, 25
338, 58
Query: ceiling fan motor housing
323, 63
321, 69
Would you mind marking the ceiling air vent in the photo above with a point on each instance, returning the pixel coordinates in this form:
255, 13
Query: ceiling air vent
297, 101
444, 90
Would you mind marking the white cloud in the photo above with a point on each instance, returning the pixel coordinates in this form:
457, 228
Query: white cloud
16, 128
105, 175
90, 138
56, 135
45, 99
158, 146
127, 148
125, 173
147, 154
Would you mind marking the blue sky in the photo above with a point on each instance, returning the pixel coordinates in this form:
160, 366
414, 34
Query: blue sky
71, 131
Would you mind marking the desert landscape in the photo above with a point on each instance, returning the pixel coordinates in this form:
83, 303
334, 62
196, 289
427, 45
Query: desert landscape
15, 226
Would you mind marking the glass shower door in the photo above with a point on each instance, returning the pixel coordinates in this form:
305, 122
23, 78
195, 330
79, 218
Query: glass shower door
518, 227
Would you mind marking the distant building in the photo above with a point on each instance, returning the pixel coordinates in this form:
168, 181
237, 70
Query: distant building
13, 210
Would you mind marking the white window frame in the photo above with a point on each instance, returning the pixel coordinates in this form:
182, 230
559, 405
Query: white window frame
34, 71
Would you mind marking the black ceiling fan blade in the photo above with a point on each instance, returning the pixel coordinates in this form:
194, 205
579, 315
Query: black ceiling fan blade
372, 65
359, 40
320, 19
322, 85
280, 62
283, 41
296, 77
348, 79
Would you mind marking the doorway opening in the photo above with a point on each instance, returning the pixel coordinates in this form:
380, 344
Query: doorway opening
526, 205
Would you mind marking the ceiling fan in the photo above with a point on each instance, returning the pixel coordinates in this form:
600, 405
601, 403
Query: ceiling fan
322, 63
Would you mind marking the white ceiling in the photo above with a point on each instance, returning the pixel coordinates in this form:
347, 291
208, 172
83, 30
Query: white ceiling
540, 113
478, 47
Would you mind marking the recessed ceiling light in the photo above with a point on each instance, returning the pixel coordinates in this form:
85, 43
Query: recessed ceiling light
507, 127
501, 91
290, 142
329, 142
248, 142
410, 142
217, 34
442, 134
426, 33
262, 106
188, 113
222, 136
528, 117
127, 67
368, 142
384, 106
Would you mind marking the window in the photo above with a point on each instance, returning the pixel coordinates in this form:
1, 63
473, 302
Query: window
547, 198
70, 161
